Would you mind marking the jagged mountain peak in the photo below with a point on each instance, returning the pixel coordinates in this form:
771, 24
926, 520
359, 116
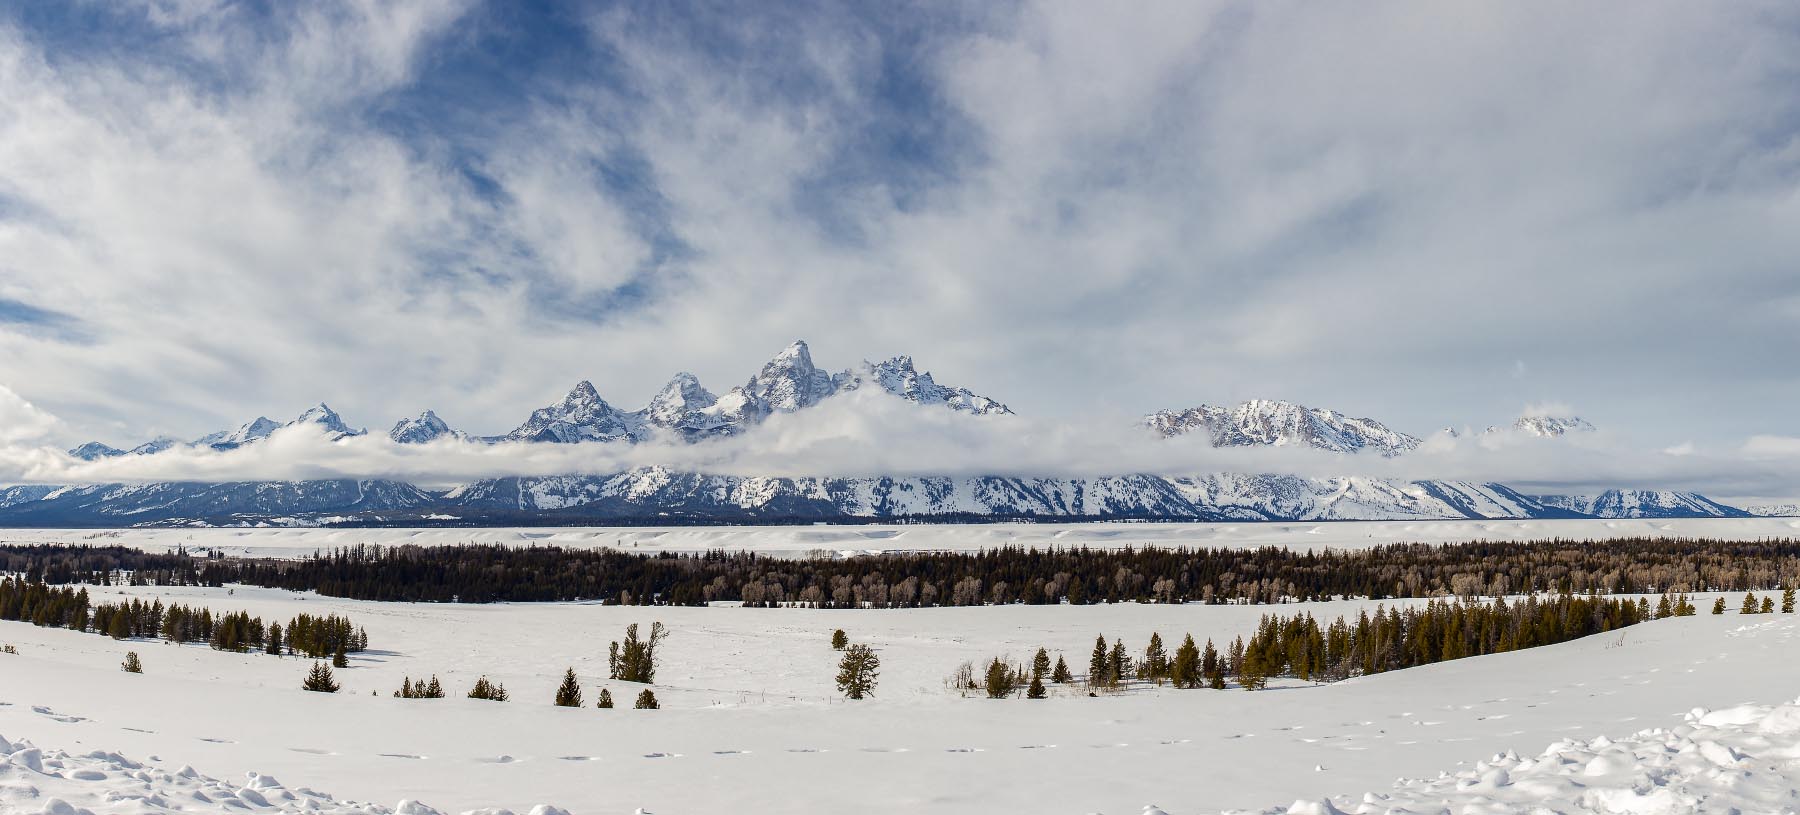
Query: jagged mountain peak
581, 416
1552, 426
94, 451
421, 429
323, 416
1280, 423
899, 377
788, 382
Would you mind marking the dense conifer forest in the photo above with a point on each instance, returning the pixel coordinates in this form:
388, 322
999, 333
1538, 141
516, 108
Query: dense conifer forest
66, 607
482, 573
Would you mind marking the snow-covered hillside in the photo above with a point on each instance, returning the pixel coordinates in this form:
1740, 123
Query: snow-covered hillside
751, 723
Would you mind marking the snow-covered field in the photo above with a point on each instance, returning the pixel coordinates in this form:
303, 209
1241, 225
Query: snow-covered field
751, 722
795, 541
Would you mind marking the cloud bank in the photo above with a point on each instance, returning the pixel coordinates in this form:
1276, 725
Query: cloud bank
870, 433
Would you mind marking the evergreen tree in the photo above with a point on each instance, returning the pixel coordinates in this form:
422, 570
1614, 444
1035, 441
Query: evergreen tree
1210, 667
1719, 606
839, 640
605, 699
1099, 666
999, 680
273, 644
119, 627
1185, 670
1060, 674
434, 690
569, 694
1768, 605
1787, 600
1155, 665
646, 701
1118, 662
1040, 663
491, 691
406, 688
1036, 689
858, 671
132, 665
339, 659
635, 660
1663, 607
320, 680
1749, 606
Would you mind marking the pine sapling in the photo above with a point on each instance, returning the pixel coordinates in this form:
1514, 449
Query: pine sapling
132, 665
646, 701
605, 702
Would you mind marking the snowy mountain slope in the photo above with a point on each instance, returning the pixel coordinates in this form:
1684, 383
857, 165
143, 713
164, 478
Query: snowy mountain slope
1277, 423
1643, 504
1773, 510
581, 416
165, 502
898, 377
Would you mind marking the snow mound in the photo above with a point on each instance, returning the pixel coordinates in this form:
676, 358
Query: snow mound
54, 782
1742, 759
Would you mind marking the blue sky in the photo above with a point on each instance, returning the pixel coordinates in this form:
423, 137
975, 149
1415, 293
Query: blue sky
1430, 214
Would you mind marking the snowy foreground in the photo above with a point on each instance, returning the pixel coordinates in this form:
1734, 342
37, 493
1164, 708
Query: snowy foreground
797, 541
751, 722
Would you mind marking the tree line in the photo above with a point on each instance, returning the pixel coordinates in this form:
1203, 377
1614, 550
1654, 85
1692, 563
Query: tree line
489, 573
68, 607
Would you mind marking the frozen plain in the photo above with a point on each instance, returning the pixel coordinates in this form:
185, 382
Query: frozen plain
751, 724
849, 539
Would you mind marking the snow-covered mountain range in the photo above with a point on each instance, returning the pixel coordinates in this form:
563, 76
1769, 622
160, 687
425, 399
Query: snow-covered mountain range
686, 411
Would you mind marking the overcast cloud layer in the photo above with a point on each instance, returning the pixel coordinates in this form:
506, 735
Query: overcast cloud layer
1431, 214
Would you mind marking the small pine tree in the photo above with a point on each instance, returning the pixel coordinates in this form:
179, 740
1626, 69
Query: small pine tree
1768, 605
1749, 606
132, 665
1787, 601
1036, 689
1664, 608
339, 659
1040, 663
1155, 665
320, 680
1099, 669
491, 691
646, 701
1060, 674
1119, 661
1185, 670
406, 688
999, 680
118, 628
434, 690
858, 671
605, 699
1719, 606
839, 640
569, 694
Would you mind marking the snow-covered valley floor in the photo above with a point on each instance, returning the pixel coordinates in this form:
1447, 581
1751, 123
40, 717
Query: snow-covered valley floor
852, 539
751, 722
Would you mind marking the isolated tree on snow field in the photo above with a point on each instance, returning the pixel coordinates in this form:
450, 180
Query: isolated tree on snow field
635, 660
839, 640
1040, 664
1749, 606
1719, 606
1768, 605
1787, 601
132, 665
646, 701
569, 694
858, 671
1060, 674
605, 699
1036, 689
320, 680
1119, 661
